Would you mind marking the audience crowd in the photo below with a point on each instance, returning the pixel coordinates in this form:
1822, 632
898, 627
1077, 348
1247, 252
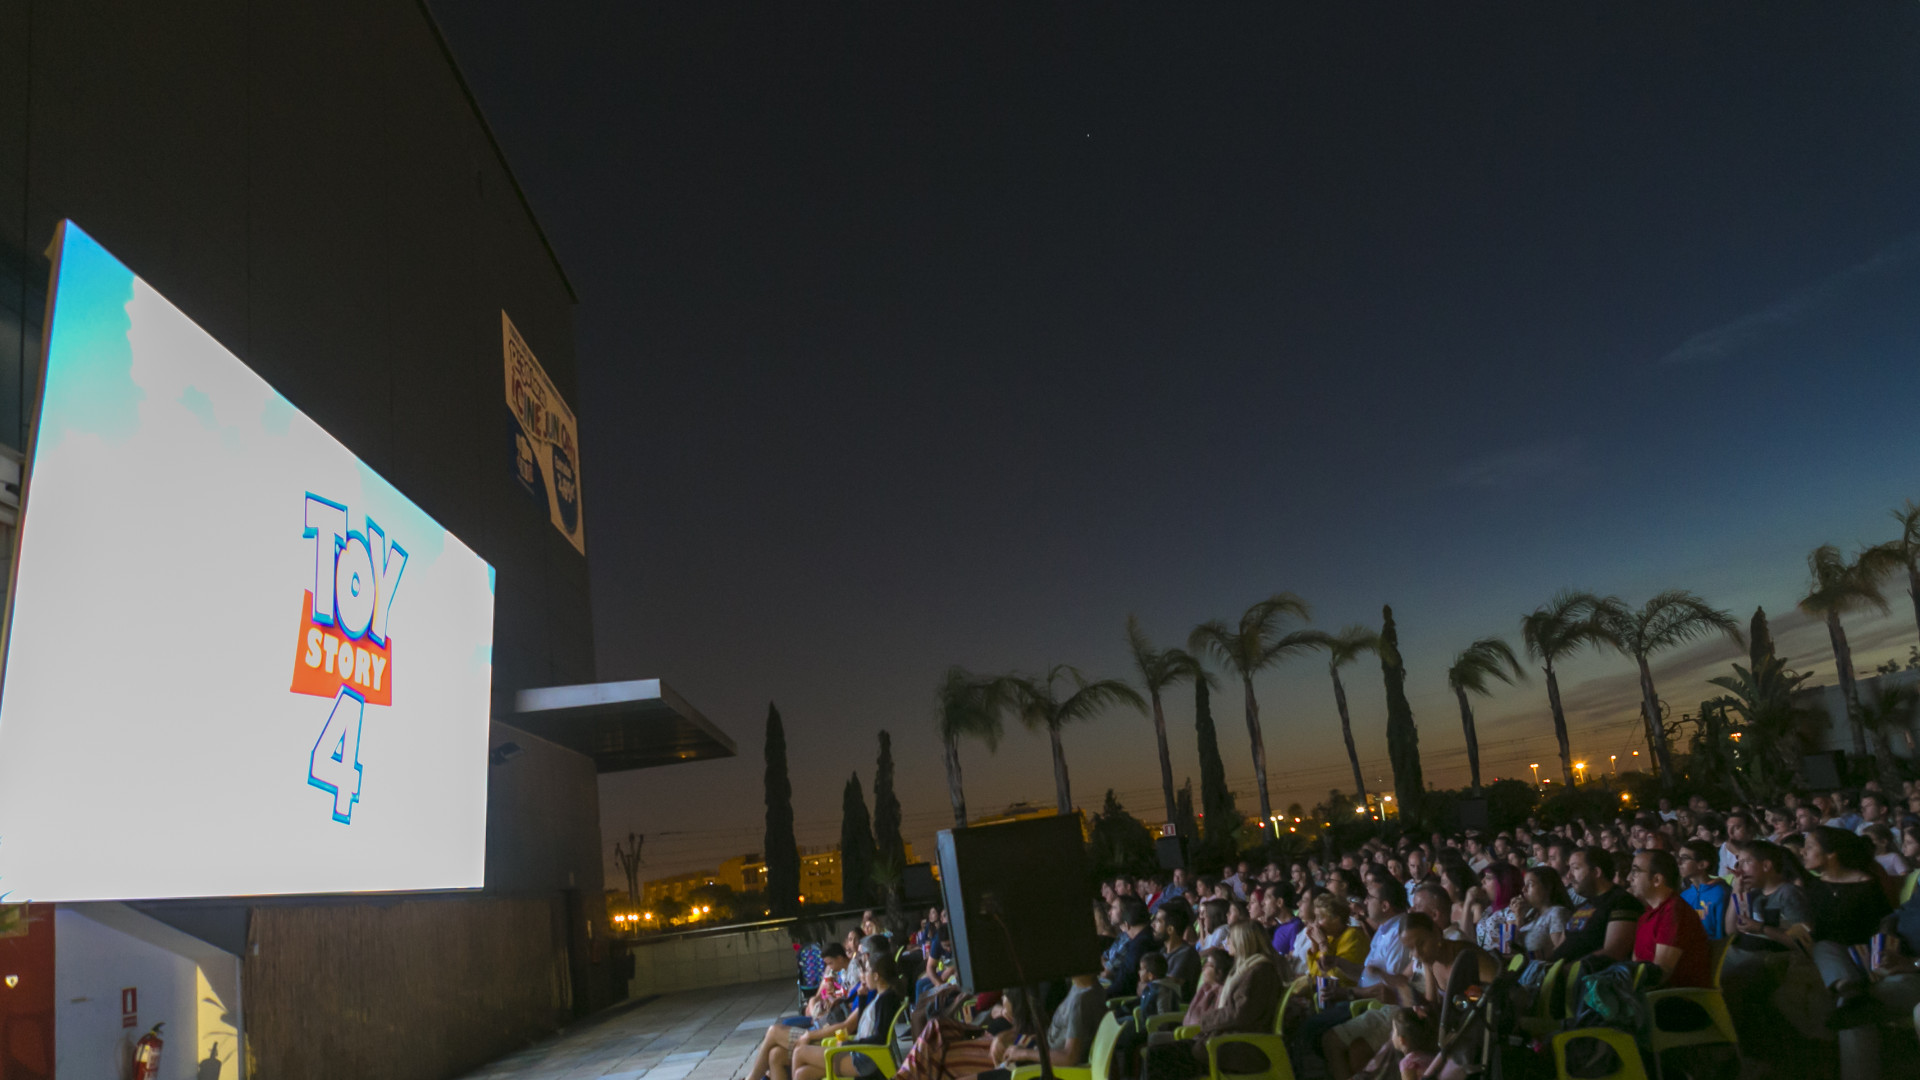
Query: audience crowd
1801, 916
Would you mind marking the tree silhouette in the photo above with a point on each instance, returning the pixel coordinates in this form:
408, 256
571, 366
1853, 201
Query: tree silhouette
856, 846
1489, 659
1041, 708
1249, 648
1403, 738
1160, 669
1553, 632
782, 854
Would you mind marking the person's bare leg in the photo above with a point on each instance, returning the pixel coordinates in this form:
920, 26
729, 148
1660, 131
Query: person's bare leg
779, 1061
1335, 1053
812, 1057
776, 1036
809, 1073
1358, 1055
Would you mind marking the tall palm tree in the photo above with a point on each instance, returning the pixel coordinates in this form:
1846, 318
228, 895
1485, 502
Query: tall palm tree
1903, 553
1488, 658
1672, 618
1160, 669
1039, 705
1251, 647
1553, 632
1840, 586
967, 706
1343, 649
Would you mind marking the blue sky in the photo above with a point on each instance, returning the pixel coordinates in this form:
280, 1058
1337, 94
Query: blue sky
963, 336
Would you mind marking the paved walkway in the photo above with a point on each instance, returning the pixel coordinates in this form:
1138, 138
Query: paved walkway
692, 1035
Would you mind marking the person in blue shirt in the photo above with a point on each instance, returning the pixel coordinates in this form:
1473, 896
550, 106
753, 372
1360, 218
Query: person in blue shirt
1136, 937
1707, 895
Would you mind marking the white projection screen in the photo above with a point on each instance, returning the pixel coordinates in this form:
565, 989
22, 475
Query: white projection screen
238, 661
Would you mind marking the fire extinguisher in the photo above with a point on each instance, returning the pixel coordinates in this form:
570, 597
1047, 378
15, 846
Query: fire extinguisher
146, 1054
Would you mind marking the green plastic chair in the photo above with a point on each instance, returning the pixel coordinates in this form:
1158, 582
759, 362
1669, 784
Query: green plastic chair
1631, 1065
1273, 1046
1163, 1021
1906, 887
1099, 1057
1720, 1031
881, 1054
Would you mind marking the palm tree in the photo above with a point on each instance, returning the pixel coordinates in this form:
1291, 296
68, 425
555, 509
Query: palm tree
967, 706
1840, 586
1039, 705
1903, 553
1672, 618
1555, 631
1160, 669
1488, 658
1343, 649
1255, 645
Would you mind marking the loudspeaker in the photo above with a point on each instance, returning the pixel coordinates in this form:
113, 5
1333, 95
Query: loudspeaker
1172, 851
1019, 902
1472, 814
917, 885
1824, 772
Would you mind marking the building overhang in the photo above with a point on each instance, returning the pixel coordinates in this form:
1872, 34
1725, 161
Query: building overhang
620, 725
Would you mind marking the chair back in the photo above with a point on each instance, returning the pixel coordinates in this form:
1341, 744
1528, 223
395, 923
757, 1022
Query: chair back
1100, 1055
812, 967
1906, 887
1717, 960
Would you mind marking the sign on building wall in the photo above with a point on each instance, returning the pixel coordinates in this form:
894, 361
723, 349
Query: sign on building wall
546, 438
238, 660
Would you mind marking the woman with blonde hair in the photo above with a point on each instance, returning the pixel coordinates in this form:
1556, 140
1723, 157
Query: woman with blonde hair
1246, 1003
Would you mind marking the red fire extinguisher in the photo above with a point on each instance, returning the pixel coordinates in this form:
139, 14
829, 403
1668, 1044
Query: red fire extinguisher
146, 1054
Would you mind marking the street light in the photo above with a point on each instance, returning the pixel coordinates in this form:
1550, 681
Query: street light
1615, 758
1536, 773
1581, 768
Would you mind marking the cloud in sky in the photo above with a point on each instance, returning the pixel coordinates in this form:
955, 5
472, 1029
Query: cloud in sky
1742, 333
1517, 466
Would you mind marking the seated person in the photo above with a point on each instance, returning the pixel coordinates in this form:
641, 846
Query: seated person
1070, 1034
949, 1050
1668, 933
1706, 894
1540, 912
1848, 905
1337, 949
1246, 1002
826, 1006
1170, 926
1605, 921
871, 1024
1136, 940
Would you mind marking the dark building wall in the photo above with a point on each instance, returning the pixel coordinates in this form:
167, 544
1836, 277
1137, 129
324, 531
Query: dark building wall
311, 183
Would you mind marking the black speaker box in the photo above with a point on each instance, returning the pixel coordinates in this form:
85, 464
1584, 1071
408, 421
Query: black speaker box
1824, 772
917, 885
1172, 851
1019, 901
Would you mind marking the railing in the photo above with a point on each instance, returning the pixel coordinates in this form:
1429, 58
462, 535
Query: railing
730, 955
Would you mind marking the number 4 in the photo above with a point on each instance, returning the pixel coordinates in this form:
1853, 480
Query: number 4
335, 765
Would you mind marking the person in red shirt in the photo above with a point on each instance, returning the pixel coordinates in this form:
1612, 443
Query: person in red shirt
1669, 932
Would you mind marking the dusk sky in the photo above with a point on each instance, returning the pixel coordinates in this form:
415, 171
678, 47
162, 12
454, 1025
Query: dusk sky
915, 335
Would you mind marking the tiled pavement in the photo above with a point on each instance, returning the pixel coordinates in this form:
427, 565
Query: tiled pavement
692, 1035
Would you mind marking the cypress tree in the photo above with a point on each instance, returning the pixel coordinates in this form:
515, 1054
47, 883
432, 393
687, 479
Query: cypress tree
856, 846
1403, 739
782, 854
1219, 817
1759, 642
1183, 814
889, 848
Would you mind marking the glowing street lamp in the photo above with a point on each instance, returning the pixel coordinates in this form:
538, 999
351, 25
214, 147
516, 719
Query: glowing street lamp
1615, 758
1581, 768
1536, 773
